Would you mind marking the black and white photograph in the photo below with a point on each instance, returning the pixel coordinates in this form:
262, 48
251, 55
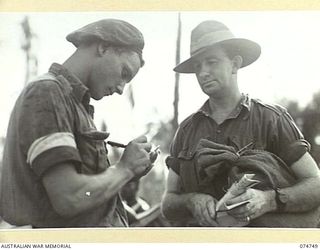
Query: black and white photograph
160, 119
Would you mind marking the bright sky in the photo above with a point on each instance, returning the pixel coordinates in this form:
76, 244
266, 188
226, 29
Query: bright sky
287, 68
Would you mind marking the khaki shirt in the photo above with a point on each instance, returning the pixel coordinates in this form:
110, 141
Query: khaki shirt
268, 127
47, 127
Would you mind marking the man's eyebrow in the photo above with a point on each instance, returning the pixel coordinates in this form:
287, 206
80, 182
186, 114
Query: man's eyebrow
208, 57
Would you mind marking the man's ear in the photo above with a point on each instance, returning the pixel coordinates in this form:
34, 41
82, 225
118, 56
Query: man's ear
101, 49
237, 62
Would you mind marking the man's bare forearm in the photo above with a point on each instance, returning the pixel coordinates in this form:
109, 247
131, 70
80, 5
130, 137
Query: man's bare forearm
72, 193
175, 206
303, 196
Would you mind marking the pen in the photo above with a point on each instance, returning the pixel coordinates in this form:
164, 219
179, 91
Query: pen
157, 149
116, 144
120, 145
244, 148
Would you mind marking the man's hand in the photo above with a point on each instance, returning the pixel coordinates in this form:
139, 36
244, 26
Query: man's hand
154, 154
136, 158
260, 202
202, 208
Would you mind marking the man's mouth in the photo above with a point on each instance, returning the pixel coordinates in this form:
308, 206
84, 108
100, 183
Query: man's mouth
206, 83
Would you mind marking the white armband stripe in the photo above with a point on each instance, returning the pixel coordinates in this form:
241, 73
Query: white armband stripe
48, 142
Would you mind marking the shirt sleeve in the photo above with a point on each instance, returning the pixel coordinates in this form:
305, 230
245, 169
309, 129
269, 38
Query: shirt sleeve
172, 160
46, 127
289, 140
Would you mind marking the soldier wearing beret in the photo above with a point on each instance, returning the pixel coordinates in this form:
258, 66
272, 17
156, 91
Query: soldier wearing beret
227, 134
56, 171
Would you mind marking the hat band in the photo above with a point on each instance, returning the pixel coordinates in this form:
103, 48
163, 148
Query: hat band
210, 39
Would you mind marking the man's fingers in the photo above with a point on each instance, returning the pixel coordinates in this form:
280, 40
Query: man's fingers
140, 139
237, 199
148, 169
211, 209
202, 216
197, 213
143, 142
208, 220
205, 213
153, 156
146, 146
238, 211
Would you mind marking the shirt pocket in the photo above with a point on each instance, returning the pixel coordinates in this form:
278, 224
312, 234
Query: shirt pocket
240, 143
93, 153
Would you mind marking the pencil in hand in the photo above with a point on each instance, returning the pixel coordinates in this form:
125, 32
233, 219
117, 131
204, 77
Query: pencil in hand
116, 144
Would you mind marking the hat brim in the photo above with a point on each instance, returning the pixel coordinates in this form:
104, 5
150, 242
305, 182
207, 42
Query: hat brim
247, 49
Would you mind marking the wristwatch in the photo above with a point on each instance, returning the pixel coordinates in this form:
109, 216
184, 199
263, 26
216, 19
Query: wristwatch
281, 200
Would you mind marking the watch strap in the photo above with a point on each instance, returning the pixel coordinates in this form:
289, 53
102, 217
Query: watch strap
280, 204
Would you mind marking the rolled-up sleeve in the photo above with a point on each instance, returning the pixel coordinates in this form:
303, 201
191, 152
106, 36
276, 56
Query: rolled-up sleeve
172, 160
46, 127
289, 139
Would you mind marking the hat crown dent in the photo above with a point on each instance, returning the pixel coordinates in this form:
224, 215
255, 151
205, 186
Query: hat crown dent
208, 32
206, 27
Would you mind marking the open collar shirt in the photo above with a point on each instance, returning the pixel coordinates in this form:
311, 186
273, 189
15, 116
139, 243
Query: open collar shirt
48, 126
266, 127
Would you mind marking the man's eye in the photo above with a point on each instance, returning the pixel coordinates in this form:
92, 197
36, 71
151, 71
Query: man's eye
196, 66
211, 62
126, 75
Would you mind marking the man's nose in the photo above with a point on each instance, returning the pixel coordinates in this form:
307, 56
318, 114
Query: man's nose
120, 88
203, 71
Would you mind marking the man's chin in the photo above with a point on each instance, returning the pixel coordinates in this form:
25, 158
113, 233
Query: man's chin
100, 96
97, 98
208, 91
211, 90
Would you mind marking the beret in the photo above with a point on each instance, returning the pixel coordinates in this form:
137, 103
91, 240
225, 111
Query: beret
113, 31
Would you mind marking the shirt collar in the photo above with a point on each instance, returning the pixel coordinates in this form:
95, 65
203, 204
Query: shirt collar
80, 91
245, 102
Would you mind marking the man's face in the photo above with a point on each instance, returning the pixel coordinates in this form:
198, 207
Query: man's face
111, 72
214, 71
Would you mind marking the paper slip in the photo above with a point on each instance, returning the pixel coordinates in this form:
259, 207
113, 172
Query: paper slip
237, 188
229, 207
